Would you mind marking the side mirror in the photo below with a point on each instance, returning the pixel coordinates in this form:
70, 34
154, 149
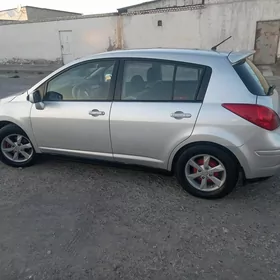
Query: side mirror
35, 98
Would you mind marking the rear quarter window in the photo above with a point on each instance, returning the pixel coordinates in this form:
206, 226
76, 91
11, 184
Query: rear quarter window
252, 77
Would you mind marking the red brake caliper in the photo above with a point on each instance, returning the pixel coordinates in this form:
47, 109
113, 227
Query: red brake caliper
212, 163
7, 145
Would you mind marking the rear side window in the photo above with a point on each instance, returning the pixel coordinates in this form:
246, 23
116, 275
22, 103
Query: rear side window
252, 77
146, 80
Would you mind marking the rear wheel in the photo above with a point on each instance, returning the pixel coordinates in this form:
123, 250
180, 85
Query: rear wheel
207, 172
15, 147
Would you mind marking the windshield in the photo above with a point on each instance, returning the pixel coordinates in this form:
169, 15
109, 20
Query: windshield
252, 77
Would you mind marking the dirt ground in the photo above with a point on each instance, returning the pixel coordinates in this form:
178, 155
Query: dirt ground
66, 219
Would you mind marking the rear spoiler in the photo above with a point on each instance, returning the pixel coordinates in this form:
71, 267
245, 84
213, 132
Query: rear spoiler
236, 57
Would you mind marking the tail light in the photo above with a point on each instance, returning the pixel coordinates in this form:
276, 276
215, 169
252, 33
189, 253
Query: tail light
259, 115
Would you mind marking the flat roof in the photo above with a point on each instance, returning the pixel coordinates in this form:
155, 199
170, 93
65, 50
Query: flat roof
137, 5
41, 9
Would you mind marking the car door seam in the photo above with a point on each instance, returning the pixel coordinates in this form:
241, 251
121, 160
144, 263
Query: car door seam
172, 152
110, 133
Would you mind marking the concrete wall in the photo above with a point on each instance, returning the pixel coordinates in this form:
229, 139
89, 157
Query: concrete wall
14, 14
34, 13
201, 28
40, 41
194, 28
5, 21
278, 54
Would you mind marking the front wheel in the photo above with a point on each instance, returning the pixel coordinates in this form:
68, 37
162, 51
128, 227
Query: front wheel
15, 147
207, 172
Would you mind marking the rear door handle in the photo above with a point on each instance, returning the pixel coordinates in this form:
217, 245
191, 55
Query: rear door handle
181, 115
96, 113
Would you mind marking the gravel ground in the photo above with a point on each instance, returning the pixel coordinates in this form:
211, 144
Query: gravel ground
81, 220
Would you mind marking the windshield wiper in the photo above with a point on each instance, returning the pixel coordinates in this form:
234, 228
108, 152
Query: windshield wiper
271, 89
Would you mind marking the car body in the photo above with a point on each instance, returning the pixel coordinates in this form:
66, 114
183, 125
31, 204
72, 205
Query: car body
152, 107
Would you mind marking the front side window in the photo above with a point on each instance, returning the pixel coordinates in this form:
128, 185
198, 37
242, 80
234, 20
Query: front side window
87, 81
160, 81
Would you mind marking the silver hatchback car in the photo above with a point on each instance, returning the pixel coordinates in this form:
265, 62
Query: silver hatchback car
205, 115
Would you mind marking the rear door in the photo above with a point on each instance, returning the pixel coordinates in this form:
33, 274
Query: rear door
155, 108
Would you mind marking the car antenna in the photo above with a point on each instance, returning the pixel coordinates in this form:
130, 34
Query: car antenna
216, 46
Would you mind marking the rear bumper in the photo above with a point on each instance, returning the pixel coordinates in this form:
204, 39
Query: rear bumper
258, 164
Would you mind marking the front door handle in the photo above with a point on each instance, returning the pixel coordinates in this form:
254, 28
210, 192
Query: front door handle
96, 113
181, 115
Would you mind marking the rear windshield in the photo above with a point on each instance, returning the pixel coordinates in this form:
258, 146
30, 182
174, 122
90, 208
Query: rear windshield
252, 77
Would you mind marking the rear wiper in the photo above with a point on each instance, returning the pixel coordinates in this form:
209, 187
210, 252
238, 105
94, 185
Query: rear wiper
271, 89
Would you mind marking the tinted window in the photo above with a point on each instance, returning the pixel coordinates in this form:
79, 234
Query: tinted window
187, 83
160, 81
252, 77
89, 81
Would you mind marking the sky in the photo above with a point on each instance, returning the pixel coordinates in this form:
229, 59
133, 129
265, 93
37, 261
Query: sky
80, 6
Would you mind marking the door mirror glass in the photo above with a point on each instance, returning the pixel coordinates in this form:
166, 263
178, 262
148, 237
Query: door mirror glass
35, 97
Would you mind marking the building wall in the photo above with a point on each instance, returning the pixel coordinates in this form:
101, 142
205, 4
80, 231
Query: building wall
40, 41
14, 14
278, 53
5, 21
202, 28
34, 13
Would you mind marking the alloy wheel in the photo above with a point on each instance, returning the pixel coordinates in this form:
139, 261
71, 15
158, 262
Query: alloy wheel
205, 173
17, 148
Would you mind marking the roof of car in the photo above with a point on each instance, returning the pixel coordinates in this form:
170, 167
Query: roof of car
203, 57
173, 54
163, 51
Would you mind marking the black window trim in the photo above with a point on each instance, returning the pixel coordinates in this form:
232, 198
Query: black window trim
201, 91
206, 76
173, 80
112, 83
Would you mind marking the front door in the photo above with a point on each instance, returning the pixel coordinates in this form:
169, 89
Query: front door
156, 111
75, 119
66, 46
267, 38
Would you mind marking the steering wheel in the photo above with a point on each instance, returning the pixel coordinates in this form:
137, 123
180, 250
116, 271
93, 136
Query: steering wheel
81, 91
130, 98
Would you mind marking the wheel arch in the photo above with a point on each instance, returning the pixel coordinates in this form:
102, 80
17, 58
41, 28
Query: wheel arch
174, 159
4, 123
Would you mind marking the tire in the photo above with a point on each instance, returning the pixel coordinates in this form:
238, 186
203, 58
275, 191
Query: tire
203, 186
22, 146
